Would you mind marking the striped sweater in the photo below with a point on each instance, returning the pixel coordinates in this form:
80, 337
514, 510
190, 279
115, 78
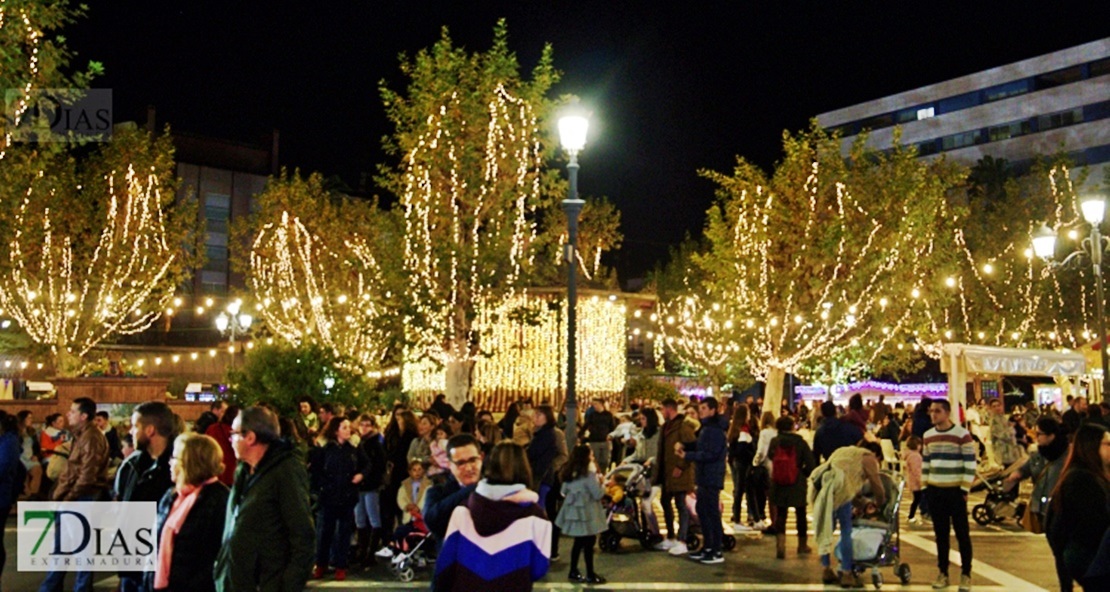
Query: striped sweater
494, 545
948, 458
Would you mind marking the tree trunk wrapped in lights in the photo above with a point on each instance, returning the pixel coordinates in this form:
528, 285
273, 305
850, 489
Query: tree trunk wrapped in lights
473, 189
316, 270
96, 249
829, 255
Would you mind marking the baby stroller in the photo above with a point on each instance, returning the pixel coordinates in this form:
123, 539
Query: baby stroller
410, 556
1000, 503
693, 530
623, 503
876, 538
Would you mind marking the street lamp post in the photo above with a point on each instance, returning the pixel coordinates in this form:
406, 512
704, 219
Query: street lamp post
233, 323
572, 135
1044, 245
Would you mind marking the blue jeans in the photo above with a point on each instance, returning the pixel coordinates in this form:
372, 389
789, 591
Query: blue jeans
843, 516
368, 512
708, 507
55, 580
333, 536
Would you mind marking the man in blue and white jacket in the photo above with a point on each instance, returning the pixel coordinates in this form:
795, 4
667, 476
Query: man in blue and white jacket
709, 453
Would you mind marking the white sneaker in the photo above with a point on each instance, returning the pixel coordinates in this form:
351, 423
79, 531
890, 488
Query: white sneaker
679, 548
665, 545
738, 527
965, 583
384, 553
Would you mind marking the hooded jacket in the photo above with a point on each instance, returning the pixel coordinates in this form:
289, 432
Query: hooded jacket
268, 539
493, 544
1044, 467
710, 453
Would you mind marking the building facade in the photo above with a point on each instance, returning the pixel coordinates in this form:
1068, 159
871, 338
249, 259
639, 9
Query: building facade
1058, 102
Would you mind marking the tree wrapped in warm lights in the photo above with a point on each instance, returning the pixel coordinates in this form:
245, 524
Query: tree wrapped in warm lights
94, 249
829, 254
1003, 295
473, 190
316, 269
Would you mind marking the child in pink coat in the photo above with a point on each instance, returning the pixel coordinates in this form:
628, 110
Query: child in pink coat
911, 466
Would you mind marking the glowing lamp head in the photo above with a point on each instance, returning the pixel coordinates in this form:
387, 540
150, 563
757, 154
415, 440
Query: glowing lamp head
572, 132
1094, 207
1044, 242
245, 321
222, 321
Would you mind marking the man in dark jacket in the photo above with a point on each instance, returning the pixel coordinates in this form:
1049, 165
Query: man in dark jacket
709, 457
145, 475
441, 500
833, 433
598, 426
269, 539
104, 424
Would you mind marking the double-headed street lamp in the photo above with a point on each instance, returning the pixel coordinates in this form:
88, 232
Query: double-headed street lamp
572, 135
1044, 245
233, 323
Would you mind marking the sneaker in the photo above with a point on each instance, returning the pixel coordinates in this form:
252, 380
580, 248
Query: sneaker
941, 581
665, 545
340, 574
576, 576
739, 527
318, 573
916, 520
828, 576
384, 553
595, 579
712, 558
678, 548
697, 556
965, 582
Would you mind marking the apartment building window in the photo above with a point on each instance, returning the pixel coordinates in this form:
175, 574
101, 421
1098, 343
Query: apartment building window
960, 140
217, 216
1005, 91
957, 102
1009, 130
1099, 67
1061, 119
1058, 78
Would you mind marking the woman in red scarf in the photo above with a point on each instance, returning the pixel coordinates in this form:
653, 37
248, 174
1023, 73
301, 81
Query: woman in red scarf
191, 517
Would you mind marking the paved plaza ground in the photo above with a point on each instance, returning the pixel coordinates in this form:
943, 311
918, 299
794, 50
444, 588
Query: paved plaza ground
1006, 559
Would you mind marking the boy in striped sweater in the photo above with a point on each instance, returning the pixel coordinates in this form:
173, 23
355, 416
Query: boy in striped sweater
947, 470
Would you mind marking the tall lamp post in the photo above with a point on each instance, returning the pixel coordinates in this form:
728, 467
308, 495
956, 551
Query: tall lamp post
233, 323
1044, 245
572, 135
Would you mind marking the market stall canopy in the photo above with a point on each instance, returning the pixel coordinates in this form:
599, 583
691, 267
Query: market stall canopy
961, 358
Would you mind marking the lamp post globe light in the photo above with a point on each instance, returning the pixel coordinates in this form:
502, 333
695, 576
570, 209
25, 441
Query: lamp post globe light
233, 323
1044, 246
572, 135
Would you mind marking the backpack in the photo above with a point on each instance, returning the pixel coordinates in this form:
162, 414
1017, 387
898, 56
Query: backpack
784, 466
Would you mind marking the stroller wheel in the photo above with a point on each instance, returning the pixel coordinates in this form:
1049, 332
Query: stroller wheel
693, 543
903, 573
877, 580
729, 542
982, 514
406, 575
648, 540
610, 542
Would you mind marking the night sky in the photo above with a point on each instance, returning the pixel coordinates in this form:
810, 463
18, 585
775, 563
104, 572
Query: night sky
674, 88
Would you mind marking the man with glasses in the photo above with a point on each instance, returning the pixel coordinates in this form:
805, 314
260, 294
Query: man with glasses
268, 541
947, 471
465, 456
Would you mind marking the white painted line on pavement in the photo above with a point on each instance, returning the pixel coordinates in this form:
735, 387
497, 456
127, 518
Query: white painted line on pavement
361, 585
1008, 580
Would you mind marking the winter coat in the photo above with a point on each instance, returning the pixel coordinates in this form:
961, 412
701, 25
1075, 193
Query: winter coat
834, 433
195, 546
404, 497
680, 429
792, 496
86, 474
710, 453
646, 448
398, 455
598, 426
9, 456
911, 461
374, 452
419, 449
542, 451
1078, 517
144, 479
332, 468
221, 433
1044, 467
582, 514
268, 539
492, 544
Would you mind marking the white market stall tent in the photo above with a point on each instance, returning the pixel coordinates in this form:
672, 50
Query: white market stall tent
961, 359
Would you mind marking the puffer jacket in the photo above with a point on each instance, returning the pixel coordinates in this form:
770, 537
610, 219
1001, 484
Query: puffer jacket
331, 469
710, 453
680, 429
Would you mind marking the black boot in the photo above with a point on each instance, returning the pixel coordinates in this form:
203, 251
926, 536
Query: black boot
362, 551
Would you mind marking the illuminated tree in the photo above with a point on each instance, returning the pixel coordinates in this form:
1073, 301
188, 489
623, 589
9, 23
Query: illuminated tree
471, 182
829, 254
319, 268
96, 248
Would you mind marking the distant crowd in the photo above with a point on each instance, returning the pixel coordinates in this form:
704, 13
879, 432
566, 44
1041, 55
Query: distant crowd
329, 491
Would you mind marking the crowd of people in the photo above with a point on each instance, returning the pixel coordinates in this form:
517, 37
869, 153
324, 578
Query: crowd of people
330, 492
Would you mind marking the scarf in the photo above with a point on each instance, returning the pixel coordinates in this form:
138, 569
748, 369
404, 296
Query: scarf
186, 497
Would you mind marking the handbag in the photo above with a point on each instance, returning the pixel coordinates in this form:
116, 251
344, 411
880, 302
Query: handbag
1031, 521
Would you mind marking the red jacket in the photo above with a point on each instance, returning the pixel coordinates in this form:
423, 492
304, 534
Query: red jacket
221, 433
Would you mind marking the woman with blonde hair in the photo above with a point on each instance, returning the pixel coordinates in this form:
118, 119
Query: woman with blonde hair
760, 484
191, 517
